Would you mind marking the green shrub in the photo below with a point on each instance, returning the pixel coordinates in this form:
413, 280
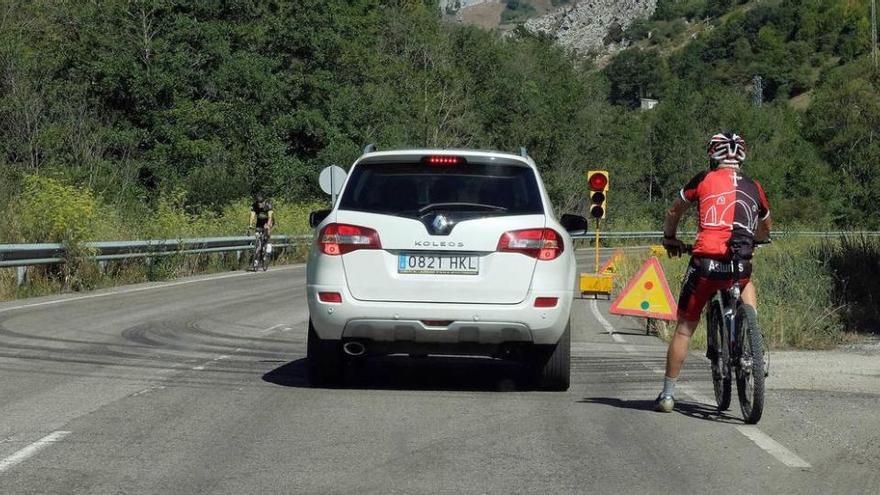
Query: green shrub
51, 211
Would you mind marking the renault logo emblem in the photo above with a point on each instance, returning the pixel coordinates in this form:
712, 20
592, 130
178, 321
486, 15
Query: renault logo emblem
440, 223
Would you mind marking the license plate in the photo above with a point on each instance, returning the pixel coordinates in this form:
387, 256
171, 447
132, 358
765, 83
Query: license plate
438, 264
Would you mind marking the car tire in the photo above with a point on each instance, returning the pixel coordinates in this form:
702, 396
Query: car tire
551, 365
325, 362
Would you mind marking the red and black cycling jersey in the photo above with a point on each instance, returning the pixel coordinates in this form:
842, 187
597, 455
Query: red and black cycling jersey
730, 205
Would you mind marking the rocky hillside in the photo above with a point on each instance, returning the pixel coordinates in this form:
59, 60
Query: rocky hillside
592, 26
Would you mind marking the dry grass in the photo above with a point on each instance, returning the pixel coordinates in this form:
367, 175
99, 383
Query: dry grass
799, 303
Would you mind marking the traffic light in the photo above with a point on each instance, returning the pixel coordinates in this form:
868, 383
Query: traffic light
598, 182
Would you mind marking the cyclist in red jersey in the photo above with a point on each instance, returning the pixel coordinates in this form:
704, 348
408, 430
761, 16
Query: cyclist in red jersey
731, 207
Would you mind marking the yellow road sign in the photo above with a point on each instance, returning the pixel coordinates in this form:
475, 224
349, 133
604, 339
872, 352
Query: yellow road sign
647, 294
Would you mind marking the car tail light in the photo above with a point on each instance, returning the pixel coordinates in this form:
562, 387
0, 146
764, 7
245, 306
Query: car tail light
543, 244
339, 238
330, 297
546, 302
443, 160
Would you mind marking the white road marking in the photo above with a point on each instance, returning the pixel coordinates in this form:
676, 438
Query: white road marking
216, 359
602, 321
281, 326
773, 447
147, 390
760, 438
139, 289
30, 450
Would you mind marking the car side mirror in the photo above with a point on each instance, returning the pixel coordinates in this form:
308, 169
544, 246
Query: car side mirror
316, 217
574, 224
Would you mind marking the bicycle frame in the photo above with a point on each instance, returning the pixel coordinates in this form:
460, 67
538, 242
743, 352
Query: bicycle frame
729, 301
260, 238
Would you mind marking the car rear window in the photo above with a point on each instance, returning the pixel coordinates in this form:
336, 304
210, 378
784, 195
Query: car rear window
411, 189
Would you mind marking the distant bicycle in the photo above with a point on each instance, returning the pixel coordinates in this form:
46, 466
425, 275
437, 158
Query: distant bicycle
736, 347
262, 249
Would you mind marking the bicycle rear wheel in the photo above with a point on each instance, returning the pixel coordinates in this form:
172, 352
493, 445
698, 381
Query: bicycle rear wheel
717, 341
750, 364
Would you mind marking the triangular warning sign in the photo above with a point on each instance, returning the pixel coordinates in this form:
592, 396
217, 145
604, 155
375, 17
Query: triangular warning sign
610, 265
646, 295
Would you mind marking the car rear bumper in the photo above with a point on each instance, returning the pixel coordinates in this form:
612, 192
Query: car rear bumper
401, 322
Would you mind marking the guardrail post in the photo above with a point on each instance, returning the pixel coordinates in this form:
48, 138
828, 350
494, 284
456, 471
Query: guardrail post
102, 266
20, 275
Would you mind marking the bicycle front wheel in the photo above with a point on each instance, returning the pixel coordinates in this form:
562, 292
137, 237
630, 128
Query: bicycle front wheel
750, 364
717, 342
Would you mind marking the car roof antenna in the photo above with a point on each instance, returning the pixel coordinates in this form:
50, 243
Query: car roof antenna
370, 148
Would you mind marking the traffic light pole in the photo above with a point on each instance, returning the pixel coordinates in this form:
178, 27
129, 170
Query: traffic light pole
597, 246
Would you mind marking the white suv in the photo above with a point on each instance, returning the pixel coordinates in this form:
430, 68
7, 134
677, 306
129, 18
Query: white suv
442, 252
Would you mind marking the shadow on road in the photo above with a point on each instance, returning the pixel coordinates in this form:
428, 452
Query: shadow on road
687, 408
405, 373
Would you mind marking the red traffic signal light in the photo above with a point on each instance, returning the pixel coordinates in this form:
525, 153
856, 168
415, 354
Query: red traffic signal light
598, 181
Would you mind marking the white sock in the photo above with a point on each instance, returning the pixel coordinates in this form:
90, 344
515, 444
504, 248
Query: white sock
668, 386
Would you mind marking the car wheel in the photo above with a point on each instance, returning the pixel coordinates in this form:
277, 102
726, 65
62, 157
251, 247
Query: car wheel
324, 360
551, 365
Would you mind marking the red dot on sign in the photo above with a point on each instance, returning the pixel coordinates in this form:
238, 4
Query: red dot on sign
649, 285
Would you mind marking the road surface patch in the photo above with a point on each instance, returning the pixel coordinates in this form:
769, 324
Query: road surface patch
761, 439
138, 289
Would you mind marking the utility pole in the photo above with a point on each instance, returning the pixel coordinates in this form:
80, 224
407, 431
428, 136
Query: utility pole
874, 32
758, 90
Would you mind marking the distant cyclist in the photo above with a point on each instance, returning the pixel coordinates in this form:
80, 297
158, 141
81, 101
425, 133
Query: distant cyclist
262, 216
731, 207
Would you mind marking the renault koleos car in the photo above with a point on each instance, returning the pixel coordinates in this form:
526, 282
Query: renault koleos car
442, 252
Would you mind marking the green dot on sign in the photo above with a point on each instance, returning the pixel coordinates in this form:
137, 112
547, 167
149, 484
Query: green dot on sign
645, 305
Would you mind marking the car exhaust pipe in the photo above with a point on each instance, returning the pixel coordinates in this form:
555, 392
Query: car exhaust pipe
354, 348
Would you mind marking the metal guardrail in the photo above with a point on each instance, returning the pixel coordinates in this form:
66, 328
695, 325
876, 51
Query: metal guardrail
18, 255
13, 255
657, 234
24, 255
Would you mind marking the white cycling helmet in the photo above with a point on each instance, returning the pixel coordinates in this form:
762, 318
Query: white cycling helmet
728, 148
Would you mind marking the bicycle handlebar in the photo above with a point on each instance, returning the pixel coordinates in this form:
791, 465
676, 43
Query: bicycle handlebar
689, 248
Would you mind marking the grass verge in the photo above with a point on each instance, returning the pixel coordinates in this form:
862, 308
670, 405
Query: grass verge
812, 294
47, 280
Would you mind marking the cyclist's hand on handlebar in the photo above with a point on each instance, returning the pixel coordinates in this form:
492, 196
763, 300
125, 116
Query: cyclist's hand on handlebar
674, 247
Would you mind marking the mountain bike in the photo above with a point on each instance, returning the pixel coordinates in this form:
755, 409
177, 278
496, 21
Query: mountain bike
736, 345
260, 258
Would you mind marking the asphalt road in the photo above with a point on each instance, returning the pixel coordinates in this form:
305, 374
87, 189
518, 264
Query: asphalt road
199, 386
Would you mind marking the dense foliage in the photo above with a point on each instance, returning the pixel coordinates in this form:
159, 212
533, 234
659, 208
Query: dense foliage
810, 55
149, 105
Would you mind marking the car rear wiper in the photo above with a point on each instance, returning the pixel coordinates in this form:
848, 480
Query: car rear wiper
459, 206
